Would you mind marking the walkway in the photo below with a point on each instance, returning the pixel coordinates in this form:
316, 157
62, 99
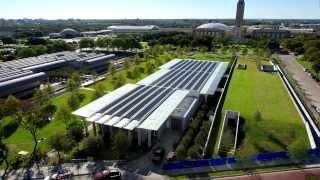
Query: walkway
310, 86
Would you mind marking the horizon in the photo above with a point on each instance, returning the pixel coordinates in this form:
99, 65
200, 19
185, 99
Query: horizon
145, 9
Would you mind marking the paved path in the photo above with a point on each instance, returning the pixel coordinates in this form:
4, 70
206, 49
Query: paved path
284, 175
310, 86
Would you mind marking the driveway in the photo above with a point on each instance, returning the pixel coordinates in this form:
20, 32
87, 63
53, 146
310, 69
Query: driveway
310, 86
144, 165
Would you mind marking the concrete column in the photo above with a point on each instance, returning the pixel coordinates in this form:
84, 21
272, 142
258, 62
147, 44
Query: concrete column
94, 129
149, 139
168, 123
102, 129
86, 127
139, 137
129, 137
206, 98
110, 131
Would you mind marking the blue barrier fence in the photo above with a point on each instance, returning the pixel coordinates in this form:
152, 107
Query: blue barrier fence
224, 161
271, 156
315, 151
198, 163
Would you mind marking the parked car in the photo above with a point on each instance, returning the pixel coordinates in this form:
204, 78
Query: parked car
158, 154
114, 174
66, 175
108, 174
171, 156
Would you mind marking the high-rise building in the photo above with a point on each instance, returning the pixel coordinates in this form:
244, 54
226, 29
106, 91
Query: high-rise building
240, 13
239, 19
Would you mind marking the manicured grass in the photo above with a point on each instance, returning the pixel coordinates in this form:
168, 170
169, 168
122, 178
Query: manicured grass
21, 139
253, 91
213, 57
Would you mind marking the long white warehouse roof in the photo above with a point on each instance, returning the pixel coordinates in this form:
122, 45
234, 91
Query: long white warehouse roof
152, 101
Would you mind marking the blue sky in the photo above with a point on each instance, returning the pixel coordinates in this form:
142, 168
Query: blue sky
163, 9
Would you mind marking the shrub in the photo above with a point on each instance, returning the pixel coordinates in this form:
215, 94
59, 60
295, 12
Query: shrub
193, 152
200, 139
93, 146
206, 127
181, 152
186, 141
8, 127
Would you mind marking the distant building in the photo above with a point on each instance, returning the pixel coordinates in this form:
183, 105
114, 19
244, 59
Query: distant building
240, 13
96, 33
21, 77
217, 30
239, 19
1, 43
275, 34
133, 29
66, 33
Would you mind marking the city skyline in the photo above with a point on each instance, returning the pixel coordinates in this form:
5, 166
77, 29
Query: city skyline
158, 9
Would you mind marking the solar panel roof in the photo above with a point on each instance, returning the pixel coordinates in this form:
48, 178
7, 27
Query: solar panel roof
187, 75
7, 73
135, 105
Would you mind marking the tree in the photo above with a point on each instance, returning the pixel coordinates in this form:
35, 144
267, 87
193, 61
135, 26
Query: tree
25, 52
100, 42
43, 96
120, 145
245, 52
75, 131
32, 121
64, 114
86, 43
119, 81
60, 143
311, 54
111, 68
4, 152
93, 145
149, 68
126, 64
11, 105
74, 100
99, 90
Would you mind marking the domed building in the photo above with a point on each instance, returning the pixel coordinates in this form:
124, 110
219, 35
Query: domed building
217, 30
66, 33
69, 33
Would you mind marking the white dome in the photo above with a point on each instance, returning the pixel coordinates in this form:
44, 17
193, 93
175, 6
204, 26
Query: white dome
214, 26
69, 32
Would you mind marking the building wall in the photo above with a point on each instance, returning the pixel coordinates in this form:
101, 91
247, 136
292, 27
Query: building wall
216, 34
271, 34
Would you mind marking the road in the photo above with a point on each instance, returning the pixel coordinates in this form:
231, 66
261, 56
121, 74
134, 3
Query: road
310, 86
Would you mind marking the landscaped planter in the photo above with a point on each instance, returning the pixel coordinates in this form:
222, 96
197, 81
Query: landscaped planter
229, 134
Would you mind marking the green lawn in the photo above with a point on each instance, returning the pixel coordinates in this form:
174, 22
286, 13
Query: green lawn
213, 56
22, 140
253, 91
